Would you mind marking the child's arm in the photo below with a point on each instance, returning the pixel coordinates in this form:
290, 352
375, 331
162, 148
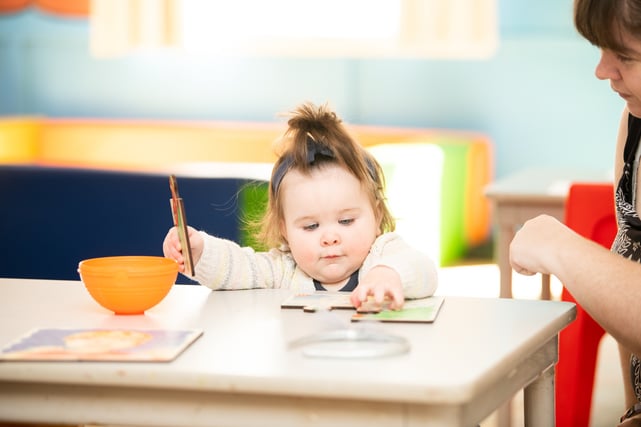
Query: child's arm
171, 247
223, 264
415, 274
379, 282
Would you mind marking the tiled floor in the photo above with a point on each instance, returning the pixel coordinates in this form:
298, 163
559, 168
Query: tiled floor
482, 280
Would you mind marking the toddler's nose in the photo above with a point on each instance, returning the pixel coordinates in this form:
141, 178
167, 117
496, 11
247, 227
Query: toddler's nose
330, 239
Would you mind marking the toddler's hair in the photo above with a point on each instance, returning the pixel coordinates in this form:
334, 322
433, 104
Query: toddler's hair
316, 137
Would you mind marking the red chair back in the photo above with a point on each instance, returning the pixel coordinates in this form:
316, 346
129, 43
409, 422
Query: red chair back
590, 212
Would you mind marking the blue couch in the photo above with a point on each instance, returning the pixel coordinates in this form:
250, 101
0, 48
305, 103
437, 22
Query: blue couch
54, 217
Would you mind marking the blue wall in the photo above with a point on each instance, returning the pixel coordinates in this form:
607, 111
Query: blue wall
537, 98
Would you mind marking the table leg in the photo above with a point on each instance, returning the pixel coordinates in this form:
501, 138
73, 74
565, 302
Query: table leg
538, 400
546, 294
504, 415
505, 236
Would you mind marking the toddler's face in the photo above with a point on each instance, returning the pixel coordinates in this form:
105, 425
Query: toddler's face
329, 222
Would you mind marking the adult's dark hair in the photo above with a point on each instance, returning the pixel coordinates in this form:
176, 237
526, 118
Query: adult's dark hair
603, 22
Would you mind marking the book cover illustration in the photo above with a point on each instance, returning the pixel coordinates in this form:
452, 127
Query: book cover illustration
424, 310
126, 345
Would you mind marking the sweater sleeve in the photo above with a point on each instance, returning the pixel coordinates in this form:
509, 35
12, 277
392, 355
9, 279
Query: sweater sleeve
226, 265
418, 272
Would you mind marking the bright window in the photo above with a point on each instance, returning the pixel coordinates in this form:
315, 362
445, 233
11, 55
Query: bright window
353, 28
360, 28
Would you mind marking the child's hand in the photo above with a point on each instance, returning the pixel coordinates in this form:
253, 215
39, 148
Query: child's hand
380, 282
171, 247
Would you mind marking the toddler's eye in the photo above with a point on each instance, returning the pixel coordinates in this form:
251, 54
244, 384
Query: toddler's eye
310, 227
346, 221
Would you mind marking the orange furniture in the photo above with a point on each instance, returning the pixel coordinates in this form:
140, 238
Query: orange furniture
65, 8
590, 212
13, 6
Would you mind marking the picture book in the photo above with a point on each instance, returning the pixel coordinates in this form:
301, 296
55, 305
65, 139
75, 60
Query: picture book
124, 345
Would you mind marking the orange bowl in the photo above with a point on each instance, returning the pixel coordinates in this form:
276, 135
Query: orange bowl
128, 284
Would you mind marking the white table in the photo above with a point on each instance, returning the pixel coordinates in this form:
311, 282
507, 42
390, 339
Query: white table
474, 358
524, 195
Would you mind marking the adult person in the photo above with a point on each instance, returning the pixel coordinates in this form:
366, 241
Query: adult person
607, 284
